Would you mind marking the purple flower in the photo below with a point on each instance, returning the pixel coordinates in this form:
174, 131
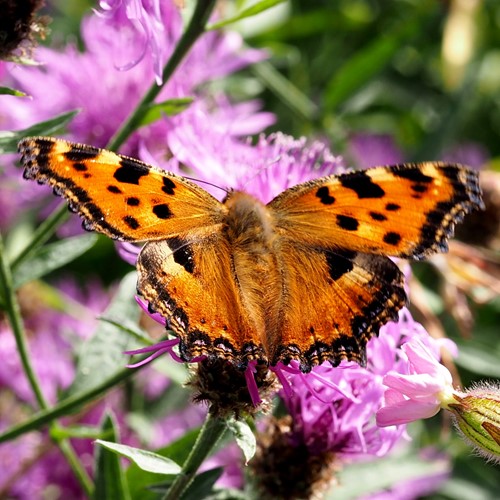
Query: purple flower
333, 408
332, 417
89, 80
143, 19
71, 79
419, 391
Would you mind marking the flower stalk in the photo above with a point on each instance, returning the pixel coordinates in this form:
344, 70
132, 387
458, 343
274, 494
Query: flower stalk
13, 312
194, 29
209, 435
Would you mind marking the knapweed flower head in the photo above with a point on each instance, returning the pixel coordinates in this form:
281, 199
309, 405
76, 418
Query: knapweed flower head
331, 418
19, 28
70, 79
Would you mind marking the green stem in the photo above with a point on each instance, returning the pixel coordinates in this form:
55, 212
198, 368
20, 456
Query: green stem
194, 29
41, 234
14, 314
68, 405
209, 435
76, 466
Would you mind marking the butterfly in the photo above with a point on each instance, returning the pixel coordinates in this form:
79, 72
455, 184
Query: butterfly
306, 277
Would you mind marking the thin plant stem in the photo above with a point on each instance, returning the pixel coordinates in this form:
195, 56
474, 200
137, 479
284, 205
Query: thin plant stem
209, 435
13, 312
41, 234
194, 29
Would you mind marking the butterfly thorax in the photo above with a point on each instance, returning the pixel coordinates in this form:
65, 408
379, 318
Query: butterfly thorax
250, 230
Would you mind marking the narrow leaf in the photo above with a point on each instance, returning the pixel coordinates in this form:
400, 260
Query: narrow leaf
14, 92
101, 356
140, 481
54, 126
109, 477
202, 484
257, 8
244, 436
146, 460
51, 257
171, 107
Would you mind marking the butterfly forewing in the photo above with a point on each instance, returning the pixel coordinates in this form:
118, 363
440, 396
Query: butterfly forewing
405, 210
119, 196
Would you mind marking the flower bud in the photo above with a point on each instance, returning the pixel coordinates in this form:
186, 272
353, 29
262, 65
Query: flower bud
477, 416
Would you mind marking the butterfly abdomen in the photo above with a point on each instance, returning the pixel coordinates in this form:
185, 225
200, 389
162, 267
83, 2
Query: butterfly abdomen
252, 236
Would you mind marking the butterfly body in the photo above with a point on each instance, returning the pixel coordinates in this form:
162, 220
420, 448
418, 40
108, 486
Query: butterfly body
305, 277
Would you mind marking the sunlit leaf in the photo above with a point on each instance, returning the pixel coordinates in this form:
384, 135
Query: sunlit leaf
146, 460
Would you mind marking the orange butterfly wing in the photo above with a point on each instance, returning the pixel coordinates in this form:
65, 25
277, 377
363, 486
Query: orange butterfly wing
404, 211
305, 277
192, 284
338, 300
118, 196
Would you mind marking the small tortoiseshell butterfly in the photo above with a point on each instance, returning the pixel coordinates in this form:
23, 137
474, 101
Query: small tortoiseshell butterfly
305, 277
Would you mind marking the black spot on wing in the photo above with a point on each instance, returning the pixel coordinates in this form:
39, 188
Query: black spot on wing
378, 216
130, 171
392, 238
392, 207
412, 173
168, 185
362, 184
323, 194
132, 201
80, 167
131, 222
339, 262
162, 211
347, 223
79, 153
182, 253
419, 188
114, 189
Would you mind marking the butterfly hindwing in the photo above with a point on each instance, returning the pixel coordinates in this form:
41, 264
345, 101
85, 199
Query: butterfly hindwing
345, 296
192, 285
118, 196
404, 211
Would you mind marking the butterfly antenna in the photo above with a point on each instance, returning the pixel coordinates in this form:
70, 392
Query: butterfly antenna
200, 181
257, 172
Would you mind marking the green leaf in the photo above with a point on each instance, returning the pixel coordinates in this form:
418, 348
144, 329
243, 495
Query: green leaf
202, 484
101, 356
14, 92
365, 64
477, 359
178, 451
109, 477
146, 460
54, 126
257, 8
51, 257
245, 438
170, 107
